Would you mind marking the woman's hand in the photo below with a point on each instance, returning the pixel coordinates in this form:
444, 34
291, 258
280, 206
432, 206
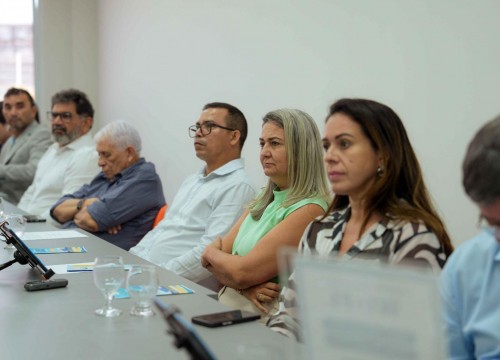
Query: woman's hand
262, 294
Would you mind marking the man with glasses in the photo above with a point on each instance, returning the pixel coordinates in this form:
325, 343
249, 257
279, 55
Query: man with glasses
207, 203
22, 151
71, 161
470, 282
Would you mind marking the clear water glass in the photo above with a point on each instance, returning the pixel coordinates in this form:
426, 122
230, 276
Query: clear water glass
17, 223
109, 275
142, 286
3, 211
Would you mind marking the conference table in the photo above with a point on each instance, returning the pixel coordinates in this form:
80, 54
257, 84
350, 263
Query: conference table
61, 324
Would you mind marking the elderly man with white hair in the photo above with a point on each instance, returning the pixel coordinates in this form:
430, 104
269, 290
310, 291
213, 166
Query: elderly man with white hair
121, 202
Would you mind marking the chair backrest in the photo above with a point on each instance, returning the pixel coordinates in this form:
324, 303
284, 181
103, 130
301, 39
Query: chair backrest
160, 215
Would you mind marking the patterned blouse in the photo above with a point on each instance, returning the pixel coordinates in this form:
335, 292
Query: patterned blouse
389, 241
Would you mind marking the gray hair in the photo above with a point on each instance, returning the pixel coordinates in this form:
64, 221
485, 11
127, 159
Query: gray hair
121, 134
481, 166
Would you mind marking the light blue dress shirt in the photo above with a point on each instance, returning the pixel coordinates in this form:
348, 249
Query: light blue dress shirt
470, 288
204, 207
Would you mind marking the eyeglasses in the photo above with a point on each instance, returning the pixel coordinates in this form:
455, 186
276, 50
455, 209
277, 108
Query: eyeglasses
65, 116
205, 128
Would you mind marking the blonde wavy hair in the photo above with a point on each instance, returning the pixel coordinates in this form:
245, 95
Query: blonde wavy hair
306, 172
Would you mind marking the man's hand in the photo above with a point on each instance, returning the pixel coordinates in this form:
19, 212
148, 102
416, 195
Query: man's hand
89, 202
114, 230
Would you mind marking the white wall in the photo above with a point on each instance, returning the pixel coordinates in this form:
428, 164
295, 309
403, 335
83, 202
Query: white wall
435, 62
66, 45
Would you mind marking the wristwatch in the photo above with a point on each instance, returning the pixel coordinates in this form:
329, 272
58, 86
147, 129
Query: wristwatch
79, 204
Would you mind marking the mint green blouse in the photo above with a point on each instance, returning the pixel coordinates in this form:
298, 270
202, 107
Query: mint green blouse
251, 231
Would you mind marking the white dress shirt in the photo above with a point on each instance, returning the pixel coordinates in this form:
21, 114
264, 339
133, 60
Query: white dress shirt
61, 170
205, 207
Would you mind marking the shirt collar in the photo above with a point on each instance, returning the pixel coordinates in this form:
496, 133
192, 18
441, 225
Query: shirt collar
125, 171
225, 169
84, 140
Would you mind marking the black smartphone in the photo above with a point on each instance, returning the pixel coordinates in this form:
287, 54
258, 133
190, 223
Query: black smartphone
45, 284
34, 218
225, 318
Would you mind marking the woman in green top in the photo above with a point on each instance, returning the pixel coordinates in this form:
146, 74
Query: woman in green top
244, 261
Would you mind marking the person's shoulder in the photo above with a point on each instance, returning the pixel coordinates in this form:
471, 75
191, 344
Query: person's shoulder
234, 172
477, 249
316, 200
38, 131
466, 264
232, 167
83, 144
143, 166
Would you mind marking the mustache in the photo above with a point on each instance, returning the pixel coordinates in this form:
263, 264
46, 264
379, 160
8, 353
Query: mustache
60, 128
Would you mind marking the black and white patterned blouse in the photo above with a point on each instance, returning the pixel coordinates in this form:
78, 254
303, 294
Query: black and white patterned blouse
390, 241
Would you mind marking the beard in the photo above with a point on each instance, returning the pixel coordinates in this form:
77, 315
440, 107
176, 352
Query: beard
63, 137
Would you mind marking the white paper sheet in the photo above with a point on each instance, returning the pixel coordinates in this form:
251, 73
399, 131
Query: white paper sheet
49, 235
359, 311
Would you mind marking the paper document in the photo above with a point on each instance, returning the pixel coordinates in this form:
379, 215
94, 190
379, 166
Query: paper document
358, 311
49, 235
162, 290
79, 267
59, 250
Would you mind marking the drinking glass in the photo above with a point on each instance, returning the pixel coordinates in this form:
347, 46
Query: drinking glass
3, 211
17, 223
109, 274
142, 285
2, 216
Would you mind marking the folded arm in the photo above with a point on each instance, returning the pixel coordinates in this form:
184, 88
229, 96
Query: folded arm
260, 264
68, 210
220, 222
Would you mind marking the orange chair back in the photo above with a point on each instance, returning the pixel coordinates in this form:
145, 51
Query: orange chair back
160, 215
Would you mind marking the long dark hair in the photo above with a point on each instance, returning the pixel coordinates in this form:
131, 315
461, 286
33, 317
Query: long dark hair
400, 191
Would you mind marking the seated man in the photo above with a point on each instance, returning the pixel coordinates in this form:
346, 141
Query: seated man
71, 161
207, 203
470, 281
121, 202
22, 151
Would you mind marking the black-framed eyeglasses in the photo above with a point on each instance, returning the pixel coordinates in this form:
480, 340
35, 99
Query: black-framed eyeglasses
65, 116
205, 128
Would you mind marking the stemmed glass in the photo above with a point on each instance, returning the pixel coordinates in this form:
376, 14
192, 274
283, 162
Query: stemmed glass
2, 217
109, 274
2, 209
142, 285
17, 223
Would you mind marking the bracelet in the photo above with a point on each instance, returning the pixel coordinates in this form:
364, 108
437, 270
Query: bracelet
79, 204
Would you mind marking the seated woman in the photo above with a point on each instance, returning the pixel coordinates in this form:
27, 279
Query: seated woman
244, 261
381, 206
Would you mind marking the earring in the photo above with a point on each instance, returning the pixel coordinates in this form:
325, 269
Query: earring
380, 171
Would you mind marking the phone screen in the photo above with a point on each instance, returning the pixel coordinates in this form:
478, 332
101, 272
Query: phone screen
224, 318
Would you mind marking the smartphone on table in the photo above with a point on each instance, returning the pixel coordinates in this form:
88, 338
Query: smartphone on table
225, 318
34, 218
